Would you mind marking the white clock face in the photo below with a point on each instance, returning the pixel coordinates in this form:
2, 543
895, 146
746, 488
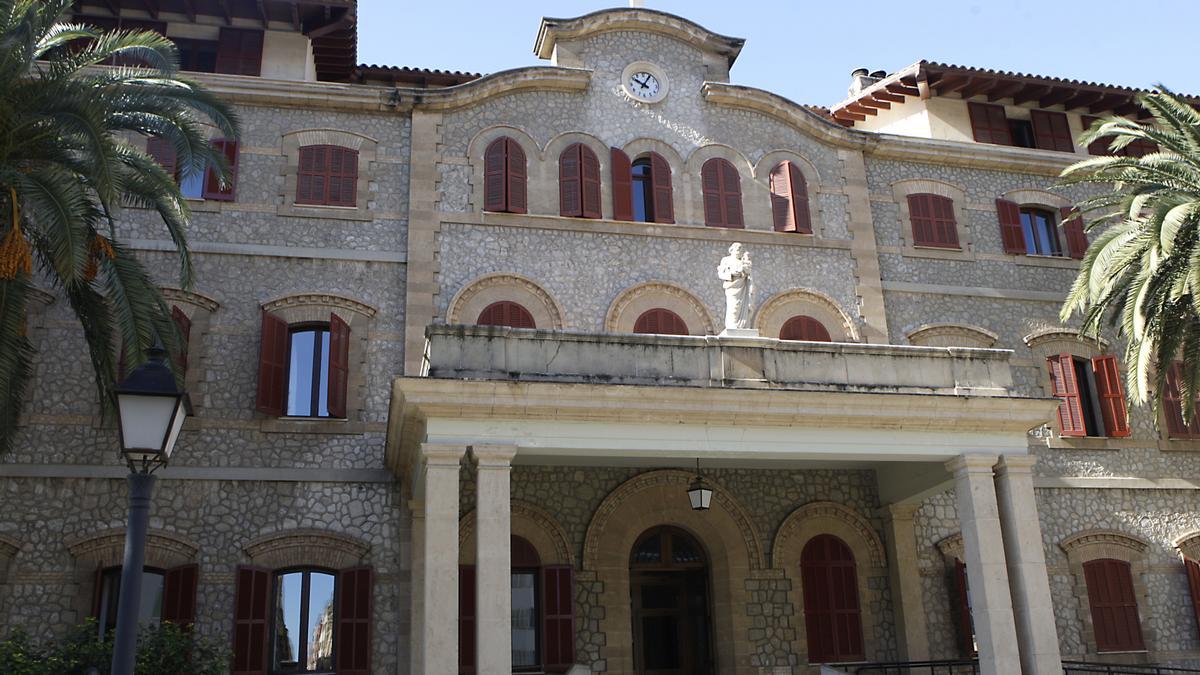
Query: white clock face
643, 85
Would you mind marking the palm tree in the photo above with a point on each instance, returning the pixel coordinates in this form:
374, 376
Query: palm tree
71, 159
1141, 272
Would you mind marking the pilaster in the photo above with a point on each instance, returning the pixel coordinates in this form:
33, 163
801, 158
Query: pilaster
904, 576
421, 260
1032, 605
987, 573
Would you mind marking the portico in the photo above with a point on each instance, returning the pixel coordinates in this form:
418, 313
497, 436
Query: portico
920, 419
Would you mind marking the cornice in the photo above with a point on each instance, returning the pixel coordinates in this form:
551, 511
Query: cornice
539, 78
262, 91
641, 19
785, 110
968, 155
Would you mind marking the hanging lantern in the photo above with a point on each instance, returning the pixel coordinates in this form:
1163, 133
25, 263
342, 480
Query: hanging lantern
699, 493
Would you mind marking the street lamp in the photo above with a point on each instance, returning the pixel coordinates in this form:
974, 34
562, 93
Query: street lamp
699, 493
150, 413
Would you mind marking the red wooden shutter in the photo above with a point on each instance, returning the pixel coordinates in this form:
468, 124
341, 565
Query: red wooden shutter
250, 621
1099, 147
339, 365
342, 179
506, 313
1012, 234
989, 123
212, 182
664, 198
962, 610
1193, 575
558, 618
789, 199
163, 152
1111, 395
1051, 131
622, 185
570, 197
933, 222
804, 328
515, 178
832, 614
1064, 385
352, 621
589, 166
184, 324
466, 618
1114, 605
310, 178
660, 321
179, 594
494, 180
239, 51
1172, 406
272, 365
722, 190
1077, 241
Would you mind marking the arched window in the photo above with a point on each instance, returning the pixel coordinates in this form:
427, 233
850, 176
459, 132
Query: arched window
661, 322
504, 176
506, 313
804, 328
789, 199
543, 613
303, 639
651, 193
667, 547
578, 182
327, 176
933, 222
832, 612
1114, 605
722, 187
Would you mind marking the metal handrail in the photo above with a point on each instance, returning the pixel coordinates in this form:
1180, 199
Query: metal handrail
1072, 667
942, 667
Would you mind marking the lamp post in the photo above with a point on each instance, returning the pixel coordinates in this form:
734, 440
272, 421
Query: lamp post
150, 412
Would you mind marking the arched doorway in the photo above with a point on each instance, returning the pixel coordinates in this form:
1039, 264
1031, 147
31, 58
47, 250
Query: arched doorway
832, 612
668, 583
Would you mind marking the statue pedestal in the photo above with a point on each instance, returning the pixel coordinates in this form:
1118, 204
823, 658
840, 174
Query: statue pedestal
739, 333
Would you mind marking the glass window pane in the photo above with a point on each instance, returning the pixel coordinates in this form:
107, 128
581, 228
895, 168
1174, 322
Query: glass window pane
150, 613
320, 621
288, 590
192, 186
300, 373
524, 619
323, 382
650, 551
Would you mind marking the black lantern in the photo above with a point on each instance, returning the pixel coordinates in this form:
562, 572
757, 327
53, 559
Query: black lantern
699, 493
150, 411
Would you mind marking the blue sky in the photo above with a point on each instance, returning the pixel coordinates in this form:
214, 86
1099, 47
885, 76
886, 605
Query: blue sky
805, 49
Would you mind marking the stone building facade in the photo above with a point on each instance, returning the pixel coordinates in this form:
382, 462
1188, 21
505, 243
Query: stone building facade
515, 493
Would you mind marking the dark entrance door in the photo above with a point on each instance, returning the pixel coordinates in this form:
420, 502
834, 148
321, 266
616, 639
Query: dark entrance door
669, 594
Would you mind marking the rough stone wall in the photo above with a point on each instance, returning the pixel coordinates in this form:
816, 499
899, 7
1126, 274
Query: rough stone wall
586, 272
244, 255
573, 495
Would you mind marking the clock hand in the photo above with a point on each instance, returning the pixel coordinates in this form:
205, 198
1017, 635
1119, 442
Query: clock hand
645, 83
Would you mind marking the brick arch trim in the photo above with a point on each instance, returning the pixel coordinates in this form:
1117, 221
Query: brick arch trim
654, 480
530, 522
323, 301
107, 548
631, 302
1189, 544
825, 517
200, 300
297, 547
951, 334
480, 292
782, 306
1103, 543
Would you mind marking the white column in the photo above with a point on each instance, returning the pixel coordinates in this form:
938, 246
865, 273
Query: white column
493, 560
987, 573
417, 589
905, 578
1032, 606
439, 632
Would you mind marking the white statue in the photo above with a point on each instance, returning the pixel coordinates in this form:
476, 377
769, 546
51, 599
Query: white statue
734, 271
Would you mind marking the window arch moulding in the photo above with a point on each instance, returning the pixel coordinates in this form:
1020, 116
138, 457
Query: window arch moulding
367, 149
633, 302
902, 189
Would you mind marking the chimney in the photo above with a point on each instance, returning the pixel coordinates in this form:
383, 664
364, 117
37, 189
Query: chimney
861, 78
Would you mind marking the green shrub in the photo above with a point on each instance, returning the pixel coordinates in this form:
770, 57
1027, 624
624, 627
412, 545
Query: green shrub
166, 649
